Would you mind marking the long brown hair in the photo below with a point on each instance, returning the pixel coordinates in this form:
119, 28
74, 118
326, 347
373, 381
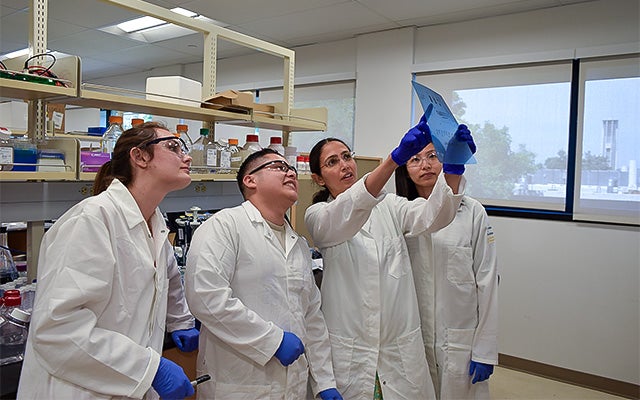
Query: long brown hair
120, 165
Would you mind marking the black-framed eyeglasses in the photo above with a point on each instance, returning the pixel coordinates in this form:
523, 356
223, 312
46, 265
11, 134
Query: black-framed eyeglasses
275, 165
173, 143
334, 160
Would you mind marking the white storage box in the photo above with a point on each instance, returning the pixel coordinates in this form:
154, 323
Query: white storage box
174, 86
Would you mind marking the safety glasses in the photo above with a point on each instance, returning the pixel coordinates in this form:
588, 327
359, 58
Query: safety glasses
275, 165
334, 160
172, 143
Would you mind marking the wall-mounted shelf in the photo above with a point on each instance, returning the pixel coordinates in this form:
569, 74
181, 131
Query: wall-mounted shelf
33, 91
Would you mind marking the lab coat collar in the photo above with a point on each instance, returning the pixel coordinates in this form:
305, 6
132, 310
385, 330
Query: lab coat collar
132, 214
127, 204
291, 236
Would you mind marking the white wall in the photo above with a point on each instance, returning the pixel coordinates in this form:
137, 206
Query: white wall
570, 291
569, 295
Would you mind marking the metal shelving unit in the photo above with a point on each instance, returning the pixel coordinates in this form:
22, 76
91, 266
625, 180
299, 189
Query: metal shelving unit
47, 195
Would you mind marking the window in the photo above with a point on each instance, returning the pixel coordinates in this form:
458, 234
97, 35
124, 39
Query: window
337, 97
519, 117
606, 184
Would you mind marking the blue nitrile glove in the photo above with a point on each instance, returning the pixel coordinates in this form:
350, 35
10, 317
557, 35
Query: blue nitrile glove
290, 349
463, 134
412, 142
330, 394
482, 371
170, 381
186, 339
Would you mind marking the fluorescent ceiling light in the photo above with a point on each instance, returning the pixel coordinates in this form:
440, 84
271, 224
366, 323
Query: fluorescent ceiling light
184, 12
138, 24
25, 52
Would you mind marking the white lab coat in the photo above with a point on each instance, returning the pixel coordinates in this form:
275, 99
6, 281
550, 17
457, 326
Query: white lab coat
106, 287
455, 273
368, 294
246, 289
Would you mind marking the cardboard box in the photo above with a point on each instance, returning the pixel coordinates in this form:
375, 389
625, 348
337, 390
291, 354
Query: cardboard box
230, 100
265, 108
56, 113
181, 90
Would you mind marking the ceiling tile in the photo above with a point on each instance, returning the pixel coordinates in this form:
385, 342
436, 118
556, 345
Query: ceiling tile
343, 19
240, 12
91, 42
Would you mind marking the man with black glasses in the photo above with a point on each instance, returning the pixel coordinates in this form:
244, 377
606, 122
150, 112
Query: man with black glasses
249, 281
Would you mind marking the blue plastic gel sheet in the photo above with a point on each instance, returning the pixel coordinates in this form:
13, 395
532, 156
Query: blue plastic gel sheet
443, 127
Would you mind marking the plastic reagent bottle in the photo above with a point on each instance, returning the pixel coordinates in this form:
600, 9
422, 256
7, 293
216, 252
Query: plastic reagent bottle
236, 157
275, 143
110, 137
8, 271
6, 152
211, 153
183, 132
251, 145
197, 153
14, 328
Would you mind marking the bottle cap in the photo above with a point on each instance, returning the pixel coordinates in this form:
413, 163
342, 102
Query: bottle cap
252, 138
136, 121
182, 127
275, 140
204, 131
12, 301
115, 119
11, 293
233, 141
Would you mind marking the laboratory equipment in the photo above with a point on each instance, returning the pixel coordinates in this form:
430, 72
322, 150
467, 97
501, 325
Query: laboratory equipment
112, 134
8, 271
14, 327
275, 143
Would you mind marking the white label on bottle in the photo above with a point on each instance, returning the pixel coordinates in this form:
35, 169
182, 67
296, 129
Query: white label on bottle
212, 158
225, 159
6, 155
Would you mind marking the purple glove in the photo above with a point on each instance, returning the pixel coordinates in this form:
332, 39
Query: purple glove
412, 142
482, 371
290, 349
330, 394
170, 381
463, 134
186, 339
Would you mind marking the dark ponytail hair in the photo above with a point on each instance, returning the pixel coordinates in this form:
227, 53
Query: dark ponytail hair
103, 179
315, 167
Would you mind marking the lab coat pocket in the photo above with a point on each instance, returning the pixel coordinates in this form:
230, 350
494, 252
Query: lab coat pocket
460, 265
396, 257
414, 360
458, 349
342, 354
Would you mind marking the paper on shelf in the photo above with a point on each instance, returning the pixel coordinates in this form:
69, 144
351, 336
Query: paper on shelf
443, 127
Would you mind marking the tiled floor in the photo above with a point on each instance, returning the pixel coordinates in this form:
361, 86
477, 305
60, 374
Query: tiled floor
507, 384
